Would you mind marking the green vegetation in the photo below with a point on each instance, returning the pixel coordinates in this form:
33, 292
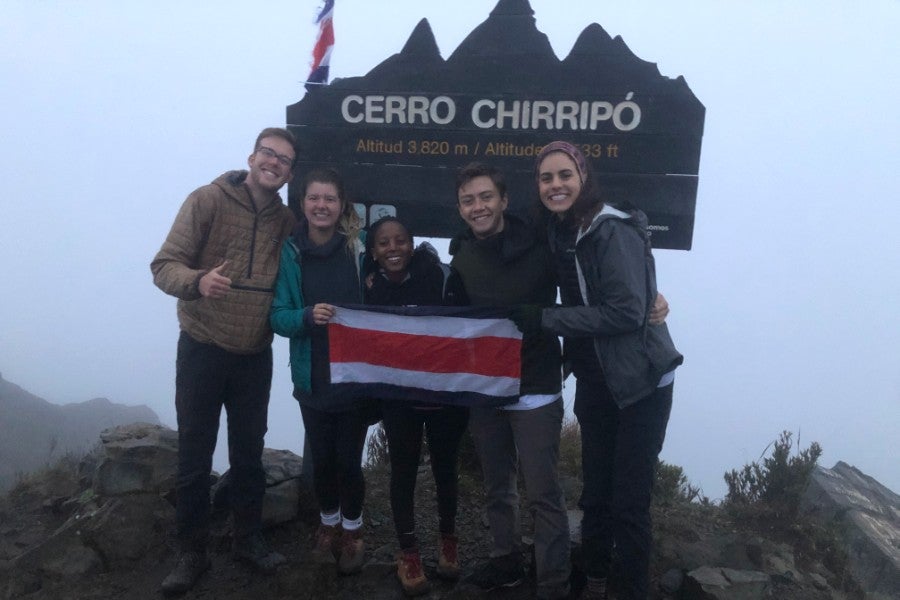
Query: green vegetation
570, 449
59, 477
672, 486
777, 485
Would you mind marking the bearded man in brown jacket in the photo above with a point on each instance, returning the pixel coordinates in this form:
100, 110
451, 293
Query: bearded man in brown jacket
220, 260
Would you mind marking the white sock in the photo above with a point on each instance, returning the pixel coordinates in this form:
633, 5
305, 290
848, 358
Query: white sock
332, 519
352, 524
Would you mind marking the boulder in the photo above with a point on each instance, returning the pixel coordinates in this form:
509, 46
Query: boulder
286, 491
51, 562
128, 530
137, 458
867, 515
714, 583
281, 465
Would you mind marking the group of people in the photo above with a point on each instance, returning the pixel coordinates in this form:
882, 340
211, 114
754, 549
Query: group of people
242, 268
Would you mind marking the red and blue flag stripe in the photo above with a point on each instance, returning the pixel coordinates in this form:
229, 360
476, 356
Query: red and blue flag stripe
463, 356
318, 74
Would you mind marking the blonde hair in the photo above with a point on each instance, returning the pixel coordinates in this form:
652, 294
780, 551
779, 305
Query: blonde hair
349, 225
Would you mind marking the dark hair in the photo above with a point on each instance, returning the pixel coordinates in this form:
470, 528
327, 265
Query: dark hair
324, 175
278, 132
374, 227
589, 200
478, 169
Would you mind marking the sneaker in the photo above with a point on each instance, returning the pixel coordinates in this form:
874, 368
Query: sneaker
448, 557
410, 573
499, 572
352, 552
327, 544
253, 550
188, 569
595, 589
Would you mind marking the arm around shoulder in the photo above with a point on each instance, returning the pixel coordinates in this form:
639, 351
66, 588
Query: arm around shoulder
617, 288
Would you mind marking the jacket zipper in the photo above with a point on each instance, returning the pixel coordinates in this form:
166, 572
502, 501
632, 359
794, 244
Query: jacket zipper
252, 236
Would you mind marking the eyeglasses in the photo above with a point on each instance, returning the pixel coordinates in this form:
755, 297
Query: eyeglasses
285, 160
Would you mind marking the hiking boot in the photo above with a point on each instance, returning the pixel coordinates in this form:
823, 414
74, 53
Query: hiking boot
448, 557
253, 550
410, 573
499, 572
595, 589
352, 552
327, 545
190, 566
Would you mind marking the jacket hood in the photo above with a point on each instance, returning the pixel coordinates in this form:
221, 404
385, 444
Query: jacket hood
424, 256
300, 238
634, 217
515, 240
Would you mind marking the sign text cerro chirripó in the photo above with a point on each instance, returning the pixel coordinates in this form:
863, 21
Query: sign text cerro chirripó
399, 133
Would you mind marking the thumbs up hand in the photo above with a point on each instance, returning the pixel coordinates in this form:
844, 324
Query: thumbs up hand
214, 284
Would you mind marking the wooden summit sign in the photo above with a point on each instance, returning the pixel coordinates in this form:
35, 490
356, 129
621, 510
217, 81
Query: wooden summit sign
399, 133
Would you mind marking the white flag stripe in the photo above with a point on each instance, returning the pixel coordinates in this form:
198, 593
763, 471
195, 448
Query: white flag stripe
446, 382
455, 327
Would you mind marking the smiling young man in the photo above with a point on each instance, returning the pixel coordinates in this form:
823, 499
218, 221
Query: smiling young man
503, 261
220, 260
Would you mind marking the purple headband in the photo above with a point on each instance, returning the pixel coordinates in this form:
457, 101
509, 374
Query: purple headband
569, 150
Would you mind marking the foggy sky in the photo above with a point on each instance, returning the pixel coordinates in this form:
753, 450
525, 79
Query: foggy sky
784, 309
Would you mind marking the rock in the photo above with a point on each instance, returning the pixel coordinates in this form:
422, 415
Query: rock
140, 457
128, 530
868, 517
671, 581
713, 583
820, 582
62, 556
693, 552
286, 496
281, 465
280, 502
782, 567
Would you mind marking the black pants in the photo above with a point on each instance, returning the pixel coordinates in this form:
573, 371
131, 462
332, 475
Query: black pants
208, 378
336, 440
444, 429
619, 449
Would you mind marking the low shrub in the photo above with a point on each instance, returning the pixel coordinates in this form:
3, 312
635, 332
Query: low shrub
570, 449
777, 484
672, 486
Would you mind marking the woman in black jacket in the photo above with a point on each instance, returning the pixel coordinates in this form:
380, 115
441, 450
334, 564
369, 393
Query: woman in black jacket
623, 363
402, 276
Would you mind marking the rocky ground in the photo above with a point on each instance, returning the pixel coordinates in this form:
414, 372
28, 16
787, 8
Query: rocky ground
687, 534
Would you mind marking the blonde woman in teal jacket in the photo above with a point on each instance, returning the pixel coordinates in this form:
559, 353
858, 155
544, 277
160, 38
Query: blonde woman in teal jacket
320, 267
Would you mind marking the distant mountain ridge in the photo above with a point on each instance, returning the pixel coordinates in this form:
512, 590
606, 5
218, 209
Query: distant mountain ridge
35, 432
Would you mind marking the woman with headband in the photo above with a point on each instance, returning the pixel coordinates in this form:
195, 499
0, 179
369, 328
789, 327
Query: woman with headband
624, 364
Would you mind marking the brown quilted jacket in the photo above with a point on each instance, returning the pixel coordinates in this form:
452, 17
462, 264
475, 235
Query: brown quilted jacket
219, 222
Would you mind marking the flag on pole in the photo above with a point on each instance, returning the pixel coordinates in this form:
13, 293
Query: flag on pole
318, 74
462, 356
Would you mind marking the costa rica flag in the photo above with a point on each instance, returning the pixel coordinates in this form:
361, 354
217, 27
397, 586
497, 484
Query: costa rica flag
318, 74
462, 356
